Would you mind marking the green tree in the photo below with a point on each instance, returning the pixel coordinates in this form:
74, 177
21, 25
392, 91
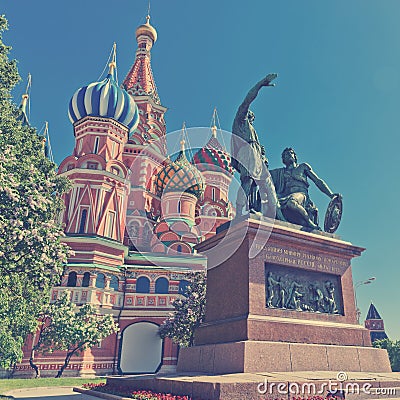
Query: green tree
31, 252
393, 349
66, 328
189, 312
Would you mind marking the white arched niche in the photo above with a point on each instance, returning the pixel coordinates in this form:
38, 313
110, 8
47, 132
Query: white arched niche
141, 349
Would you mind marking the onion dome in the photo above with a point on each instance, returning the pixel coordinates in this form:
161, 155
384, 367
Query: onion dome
147, 29
180, 176
213, 157
105, 99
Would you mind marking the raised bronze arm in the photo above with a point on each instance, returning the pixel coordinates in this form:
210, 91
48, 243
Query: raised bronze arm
252, 94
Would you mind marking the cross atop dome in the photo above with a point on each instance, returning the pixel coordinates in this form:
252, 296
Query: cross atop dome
214, 143
182, 142
214, 131
113, 64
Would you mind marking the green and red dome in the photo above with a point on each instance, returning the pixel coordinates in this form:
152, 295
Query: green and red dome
180, 176
213, 157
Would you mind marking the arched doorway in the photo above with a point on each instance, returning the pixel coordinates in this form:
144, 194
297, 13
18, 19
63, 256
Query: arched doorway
141, 349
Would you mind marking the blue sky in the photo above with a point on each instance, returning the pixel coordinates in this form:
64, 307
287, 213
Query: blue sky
336, 101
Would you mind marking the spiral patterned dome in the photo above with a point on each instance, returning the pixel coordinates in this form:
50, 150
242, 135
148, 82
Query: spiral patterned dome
213, 157
104, 99
180, 176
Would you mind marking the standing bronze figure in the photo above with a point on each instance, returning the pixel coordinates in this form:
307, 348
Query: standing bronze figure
248, 158
292, 189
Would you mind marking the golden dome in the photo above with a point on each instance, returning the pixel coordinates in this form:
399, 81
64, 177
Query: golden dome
147, 29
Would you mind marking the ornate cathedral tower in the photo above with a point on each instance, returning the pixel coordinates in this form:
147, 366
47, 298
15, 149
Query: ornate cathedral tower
180, 185
145, 151
102, 114
214, 208
140, 84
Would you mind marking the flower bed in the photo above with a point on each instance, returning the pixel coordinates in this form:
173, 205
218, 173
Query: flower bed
148, 395
136, 394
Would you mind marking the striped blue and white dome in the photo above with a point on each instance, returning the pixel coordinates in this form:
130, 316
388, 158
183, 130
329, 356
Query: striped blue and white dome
104, 99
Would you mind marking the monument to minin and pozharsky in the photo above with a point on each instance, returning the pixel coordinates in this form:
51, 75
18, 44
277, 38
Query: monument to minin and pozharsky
280, 294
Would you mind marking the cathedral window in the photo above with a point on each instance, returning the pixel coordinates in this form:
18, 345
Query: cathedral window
179, 248
86, 279
115, 171
96, 145
162, 285
100, 281
213, 194
179, 207
71, 279
92, 165
82, 223
143, 285
114, 282
110, 224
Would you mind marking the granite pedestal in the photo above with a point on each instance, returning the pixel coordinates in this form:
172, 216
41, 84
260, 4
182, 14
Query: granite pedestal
243, 333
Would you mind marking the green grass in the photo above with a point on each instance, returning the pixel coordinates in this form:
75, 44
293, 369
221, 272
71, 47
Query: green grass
10, 384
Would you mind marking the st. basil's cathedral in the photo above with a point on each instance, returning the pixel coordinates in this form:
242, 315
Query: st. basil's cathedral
133, 217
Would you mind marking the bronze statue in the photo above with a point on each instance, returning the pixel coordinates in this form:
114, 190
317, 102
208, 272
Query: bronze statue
292, 189
330, 298
282, 294
294, 298
317, 297
298, 292
271, 285
248, 158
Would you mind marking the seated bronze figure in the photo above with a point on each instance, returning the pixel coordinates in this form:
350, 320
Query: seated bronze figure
291, 187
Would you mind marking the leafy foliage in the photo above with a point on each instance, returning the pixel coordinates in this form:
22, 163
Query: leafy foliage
188, 314
393, 349
31, 253
65, 328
